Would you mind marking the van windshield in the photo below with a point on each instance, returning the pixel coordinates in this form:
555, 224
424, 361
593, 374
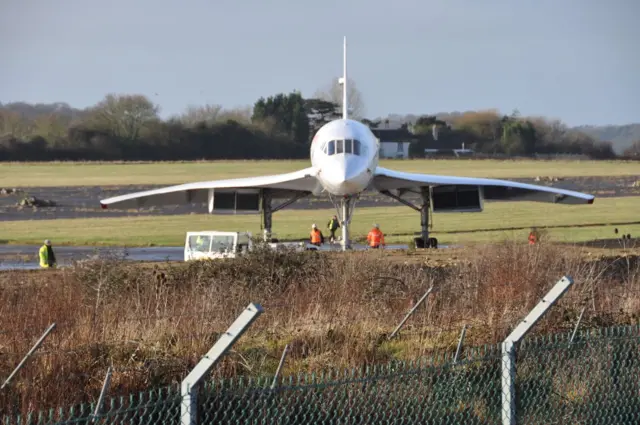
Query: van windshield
207, 243
222, 243
199, 243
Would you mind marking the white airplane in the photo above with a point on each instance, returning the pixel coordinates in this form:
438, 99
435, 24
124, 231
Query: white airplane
344, 164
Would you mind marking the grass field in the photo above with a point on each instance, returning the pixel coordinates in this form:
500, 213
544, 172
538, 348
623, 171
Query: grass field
398, 223
84, 174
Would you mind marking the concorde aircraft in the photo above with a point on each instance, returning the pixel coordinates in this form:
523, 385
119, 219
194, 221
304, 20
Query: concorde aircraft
344, 164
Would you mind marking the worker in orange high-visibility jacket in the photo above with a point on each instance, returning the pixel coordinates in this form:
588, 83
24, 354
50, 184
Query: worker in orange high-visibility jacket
533, 236
317, 238
375, 238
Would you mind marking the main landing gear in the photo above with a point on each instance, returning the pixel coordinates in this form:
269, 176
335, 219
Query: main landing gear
423, 241
268, 209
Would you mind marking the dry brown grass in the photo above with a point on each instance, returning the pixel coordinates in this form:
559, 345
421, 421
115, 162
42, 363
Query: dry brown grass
152, 324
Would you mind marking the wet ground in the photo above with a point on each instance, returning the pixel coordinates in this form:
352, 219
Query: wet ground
26, 256
84, 201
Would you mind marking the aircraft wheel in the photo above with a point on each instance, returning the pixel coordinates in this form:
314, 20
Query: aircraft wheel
433, 243
419, 242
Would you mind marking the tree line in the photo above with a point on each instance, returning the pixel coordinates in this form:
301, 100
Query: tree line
128, 127
492, 133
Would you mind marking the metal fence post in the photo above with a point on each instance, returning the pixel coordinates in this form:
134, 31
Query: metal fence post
275, 377
460, 342
509, 348
188, 387
575, 329
420, 301
105, 386
26, 357
508, 383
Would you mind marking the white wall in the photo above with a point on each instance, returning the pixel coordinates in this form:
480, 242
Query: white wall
391, 150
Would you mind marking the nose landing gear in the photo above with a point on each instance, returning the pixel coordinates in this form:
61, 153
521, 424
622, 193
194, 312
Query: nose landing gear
345, 208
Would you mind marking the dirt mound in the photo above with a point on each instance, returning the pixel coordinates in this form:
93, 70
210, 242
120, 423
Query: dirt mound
9, 191
32, 201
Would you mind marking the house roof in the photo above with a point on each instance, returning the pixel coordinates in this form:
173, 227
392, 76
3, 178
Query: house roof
393, 134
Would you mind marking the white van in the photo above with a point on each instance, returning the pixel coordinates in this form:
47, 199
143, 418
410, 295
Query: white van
212, 244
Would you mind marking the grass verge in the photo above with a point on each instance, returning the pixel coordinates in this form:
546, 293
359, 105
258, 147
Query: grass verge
498, 221
105, 173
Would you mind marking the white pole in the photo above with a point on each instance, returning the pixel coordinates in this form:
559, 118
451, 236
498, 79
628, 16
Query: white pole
105, 385
26, 357
275, 377
188, 387
415, 307
509, 347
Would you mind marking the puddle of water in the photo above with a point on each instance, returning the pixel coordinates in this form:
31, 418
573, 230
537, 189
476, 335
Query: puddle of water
65, 255
16, 265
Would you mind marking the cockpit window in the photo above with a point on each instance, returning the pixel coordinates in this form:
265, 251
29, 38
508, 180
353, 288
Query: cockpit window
356, 147
331, 148
347, 147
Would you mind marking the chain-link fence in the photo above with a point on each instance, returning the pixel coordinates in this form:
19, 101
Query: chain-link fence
594, 379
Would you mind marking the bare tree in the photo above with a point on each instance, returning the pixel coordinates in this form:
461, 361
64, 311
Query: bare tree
14, 124
124, 115
207, 114
333, 93
52, 126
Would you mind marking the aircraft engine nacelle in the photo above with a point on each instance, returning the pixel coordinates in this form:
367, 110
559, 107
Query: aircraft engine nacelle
236, 200
455, 198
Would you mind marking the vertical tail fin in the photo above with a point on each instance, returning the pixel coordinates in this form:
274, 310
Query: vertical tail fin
343, 81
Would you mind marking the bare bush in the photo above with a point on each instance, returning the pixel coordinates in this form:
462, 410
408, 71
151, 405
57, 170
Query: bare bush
152, 323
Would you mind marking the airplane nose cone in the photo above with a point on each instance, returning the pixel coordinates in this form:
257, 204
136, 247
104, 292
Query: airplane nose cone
341, 176
334, 176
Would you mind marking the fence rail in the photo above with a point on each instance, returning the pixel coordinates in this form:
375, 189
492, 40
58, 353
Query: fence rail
593, 379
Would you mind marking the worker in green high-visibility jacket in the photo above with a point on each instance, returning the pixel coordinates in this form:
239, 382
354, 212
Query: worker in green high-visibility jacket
47, 257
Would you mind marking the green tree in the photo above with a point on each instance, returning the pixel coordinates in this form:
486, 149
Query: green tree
424, 125
369, 123
518, 137
287, 113
320, 112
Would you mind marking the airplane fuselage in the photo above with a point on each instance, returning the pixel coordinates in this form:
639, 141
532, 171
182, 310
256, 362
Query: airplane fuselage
345, 152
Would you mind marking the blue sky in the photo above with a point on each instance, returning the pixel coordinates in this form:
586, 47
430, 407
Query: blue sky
576, 60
